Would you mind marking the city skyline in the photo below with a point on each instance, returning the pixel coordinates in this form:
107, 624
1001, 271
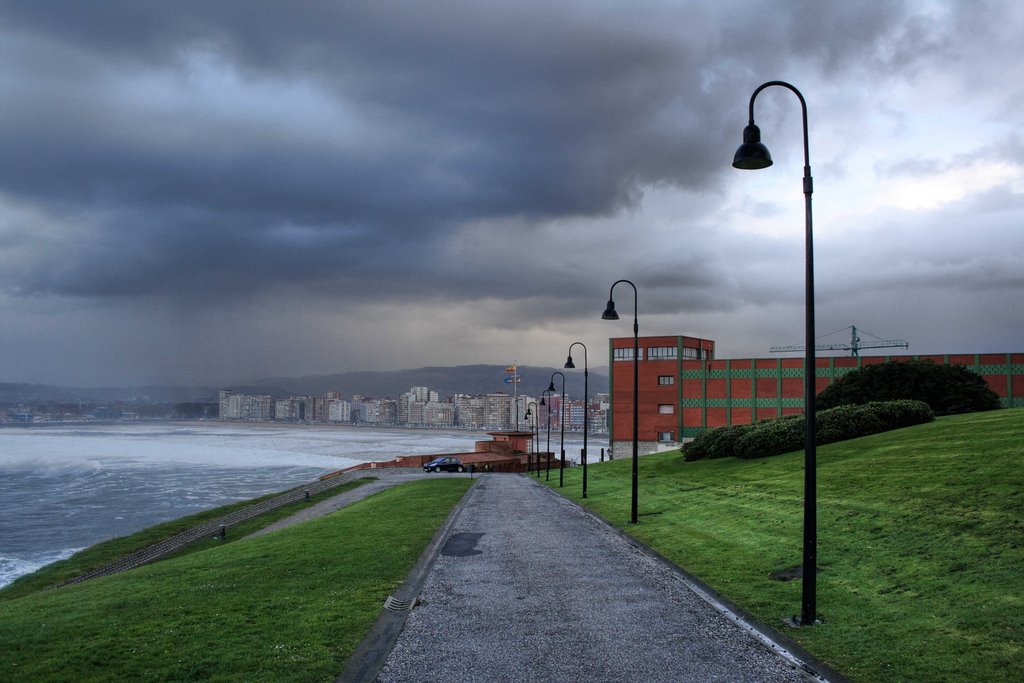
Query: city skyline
418, 407
194, 194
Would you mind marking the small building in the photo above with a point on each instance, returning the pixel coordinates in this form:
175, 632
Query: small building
507, 451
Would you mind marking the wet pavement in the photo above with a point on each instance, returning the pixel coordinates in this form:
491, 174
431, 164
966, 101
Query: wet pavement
524, 585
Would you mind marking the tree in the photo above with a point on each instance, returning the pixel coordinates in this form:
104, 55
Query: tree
948, 389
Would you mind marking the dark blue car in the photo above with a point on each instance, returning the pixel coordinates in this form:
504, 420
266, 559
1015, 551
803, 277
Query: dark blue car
445, 463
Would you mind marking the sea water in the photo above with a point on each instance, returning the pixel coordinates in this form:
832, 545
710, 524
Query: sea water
64, 488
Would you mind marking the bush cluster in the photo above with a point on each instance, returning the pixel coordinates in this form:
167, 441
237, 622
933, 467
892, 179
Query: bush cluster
785, 434
715, 443
948, 389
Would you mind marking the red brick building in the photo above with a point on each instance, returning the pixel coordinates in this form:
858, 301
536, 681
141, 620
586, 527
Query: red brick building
684, 389
660, 387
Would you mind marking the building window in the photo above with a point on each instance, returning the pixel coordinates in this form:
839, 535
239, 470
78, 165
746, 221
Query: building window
625, 354
666, 409
662, 353
664, 380
664, 437
693, 354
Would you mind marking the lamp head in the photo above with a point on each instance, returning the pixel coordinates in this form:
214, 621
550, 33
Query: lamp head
529, 413
551, 388
752, 154
542, 401
609, 312
569, 364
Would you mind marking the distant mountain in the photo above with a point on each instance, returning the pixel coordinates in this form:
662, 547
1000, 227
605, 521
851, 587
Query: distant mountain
11, 393
462, 379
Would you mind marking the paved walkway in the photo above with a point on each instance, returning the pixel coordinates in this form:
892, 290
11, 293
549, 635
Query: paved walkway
530, 587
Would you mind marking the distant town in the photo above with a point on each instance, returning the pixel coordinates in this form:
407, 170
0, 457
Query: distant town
419, 407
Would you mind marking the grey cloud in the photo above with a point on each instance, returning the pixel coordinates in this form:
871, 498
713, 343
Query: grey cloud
209, 154
974, 245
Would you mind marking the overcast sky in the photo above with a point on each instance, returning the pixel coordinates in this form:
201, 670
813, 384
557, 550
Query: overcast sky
214, 192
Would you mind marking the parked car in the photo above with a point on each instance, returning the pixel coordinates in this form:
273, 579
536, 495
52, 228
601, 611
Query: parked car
445, 463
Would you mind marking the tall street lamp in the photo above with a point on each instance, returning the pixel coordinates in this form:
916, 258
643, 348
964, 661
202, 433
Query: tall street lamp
529, 455
547, 453
533, 434
754, 155
610, 314
586, 406
561, 420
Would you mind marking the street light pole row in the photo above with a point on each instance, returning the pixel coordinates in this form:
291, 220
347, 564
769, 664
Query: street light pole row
752, 154
609, 314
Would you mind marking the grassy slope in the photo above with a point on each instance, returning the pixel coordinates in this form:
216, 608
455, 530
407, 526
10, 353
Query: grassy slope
920, 536
115, 548
288, 606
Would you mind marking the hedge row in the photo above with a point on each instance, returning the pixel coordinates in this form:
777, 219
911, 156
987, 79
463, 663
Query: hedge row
785, 434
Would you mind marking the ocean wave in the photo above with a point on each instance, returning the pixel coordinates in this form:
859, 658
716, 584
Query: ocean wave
49, 467
12, 568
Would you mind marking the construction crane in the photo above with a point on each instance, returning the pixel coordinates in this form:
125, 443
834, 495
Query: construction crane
854, 346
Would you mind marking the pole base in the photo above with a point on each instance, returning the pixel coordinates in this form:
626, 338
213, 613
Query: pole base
797, 621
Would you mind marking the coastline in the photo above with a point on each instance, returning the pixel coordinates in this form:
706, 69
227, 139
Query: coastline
70, 485
340, 426
356, 427
398, 429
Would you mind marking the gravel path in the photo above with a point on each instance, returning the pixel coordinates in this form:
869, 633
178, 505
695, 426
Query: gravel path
529, 587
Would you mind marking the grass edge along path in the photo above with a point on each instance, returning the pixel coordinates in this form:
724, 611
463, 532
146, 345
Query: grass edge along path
288, 606
111, 550
920, 537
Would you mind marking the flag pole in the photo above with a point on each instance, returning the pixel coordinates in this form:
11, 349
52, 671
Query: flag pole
515, 390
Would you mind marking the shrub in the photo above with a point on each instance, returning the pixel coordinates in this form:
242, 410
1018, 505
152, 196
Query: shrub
692, 450
903, 413
785, 434
723, 440
847, 422
947, 389
718, 442
771, 437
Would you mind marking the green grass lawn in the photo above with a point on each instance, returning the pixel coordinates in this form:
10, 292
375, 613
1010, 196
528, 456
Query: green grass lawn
288, 606
115, 548
920, 539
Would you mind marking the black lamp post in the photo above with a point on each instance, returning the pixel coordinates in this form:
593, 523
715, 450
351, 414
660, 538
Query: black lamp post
754, 155
586, 407
561, 420
547, 453
533, 433
610, 314
529, 455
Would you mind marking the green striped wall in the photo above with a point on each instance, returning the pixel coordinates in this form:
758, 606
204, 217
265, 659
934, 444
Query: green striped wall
1014, 399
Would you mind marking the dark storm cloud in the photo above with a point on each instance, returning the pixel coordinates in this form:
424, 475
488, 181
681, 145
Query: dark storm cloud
176, 174
447, 113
